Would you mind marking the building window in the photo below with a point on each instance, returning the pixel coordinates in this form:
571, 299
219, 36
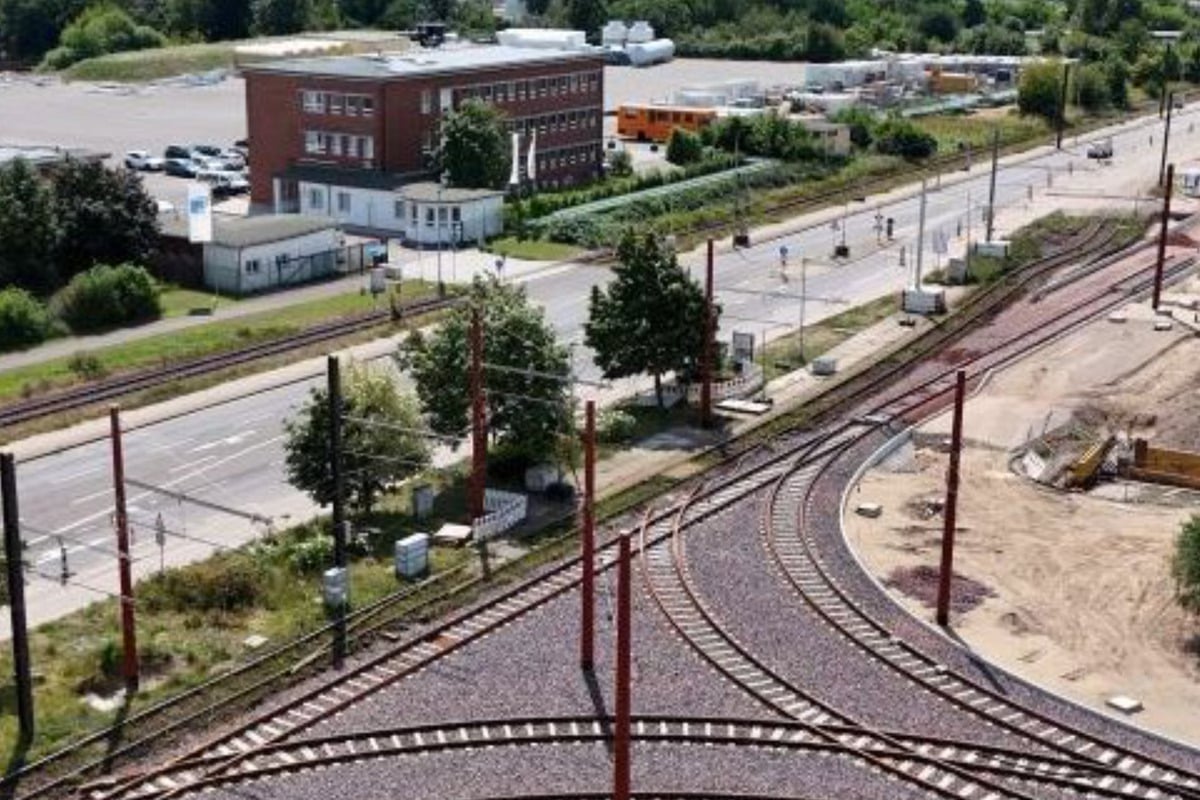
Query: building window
252, 266
398, 210
281, 261
316, 198
335, 145
455, 214
312, 142
521, 88
344, 202
336, 102
368, 106
366, 146
347, 144
412, 214
428, 217
352, 104
426, 101
314, 102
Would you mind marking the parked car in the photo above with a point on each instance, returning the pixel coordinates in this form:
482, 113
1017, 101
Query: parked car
141, 159
224, 183
177, 151
208, 164
180, 167
232, 159
1102, 149
243, 147
205, 150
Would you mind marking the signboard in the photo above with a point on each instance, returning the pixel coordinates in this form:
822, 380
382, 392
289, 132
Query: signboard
199, 211
743, 348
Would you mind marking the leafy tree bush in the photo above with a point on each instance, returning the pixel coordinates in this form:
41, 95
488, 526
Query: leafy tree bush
516, 337
27, 229
1091, 87
274, 17
650, 317
107, 297
1116, 75
104, 216
862, 122
23, 320
1185, 566
900, 137
824, 43
615, 425
475, 147
684, 147
1040, 89
101, 29
223, 582
620, 164
373, 456
939, 23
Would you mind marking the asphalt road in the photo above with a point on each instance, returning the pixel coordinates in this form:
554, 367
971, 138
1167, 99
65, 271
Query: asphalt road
231, 454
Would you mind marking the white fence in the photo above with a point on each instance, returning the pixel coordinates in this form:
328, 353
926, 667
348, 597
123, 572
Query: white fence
505, 510
750, 381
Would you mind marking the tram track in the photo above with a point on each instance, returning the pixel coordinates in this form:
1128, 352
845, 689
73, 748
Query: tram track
232, 750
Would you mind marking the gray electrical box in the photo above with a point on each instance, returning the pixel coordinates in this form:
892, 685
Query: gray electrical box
412, 555
336, 583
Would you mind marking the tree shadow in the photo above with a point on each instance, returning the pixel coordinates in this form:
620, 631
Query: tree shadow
116, 734
597, 697
983, 666
16, 762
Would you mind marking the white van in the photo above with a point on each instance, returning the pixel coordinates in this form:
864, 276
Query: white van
223, 183
1189, 181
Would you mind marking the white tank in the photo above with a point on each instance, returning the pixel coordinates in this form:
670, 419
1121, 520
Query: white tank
540, 38
656, 52
614, 33
641, 32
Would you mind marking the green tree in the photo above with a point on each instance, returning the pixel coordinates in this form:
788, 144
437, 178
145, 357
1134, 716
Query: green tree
213, 20
475, 147
900, 137
974, 13
400, 14
373, 456
23, 320
106, 297
1039, 90
862, 124
939, 23
824, 43
29, 28
650, 318
1185, 566
1091, 87
588, 16
27, 229
1116, 74
101, 29
684, 147
274, 17
104, 216
620, 164
527, 412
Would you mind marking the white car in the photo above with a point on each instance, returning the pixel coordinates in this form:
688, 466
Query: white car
141, 159
1101, 150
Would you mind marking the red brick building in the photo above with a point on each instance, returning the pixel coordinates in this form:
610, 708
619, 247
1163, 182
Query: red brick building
361, 128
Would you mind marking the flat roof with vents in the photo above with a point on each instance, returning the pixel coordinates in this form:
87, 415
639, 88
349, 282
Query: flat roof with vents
423, 62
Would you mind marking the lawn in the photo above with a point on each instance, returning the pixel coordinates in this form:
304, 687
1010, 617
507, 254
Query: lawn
782, 354
148, 65
975, 130
533, 249
214, 337
180, 302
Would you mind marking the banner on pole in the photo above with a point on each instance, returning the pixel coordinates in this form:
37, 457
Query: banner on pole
199, 209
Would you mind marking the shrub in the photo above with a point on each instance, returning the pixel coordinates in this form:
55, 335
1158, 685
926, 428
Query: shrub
684, 148
86, 365
620, 164
615, 425
99, 30
1185, 566
23, 320
224, 582
106, 297
900, 137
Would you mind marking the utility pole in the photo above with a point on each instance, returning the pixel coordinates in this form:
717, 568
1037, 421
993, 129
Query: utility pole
1062, 106
706, 365
1162, 166
949, 514
621, 734
587, 628
991, 216
478, 423
336, 418
1162, 235
129, 665
920, 236
16, 596
803, 303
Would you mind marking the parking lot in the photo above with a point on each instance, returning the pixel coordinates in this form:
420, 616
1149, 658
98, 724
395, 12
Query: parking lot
115, 118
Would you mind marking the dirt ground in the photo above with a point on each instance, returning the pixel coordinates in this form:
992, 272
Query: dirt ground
1081, 599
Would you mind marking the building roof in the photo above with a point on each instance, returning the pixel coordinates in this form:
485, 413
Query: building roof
237, 231
429, 192
414, 186
384, 66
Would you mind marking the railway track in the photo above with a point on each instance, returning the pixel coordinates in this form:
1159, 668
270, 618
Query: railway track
233, 749
524, 732
120, 385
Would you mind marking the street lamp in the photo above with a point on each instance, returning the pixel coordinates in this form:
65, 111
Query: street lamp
443, 182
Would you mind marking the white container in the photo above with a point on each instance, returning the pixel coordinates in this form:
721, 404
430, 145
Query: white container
920, 301
997, 248
543, 39
614, 33
656, 52
640, 32
824, 365
422, 500
412, 555
336, 586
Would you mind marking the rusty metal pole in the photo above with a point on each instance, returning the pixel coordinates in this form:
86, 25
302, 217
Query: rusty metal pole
1162, 165
706, 364
621, 733
14, 564
1162, 235
587, 629
129, 666
951, 510
478, 424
